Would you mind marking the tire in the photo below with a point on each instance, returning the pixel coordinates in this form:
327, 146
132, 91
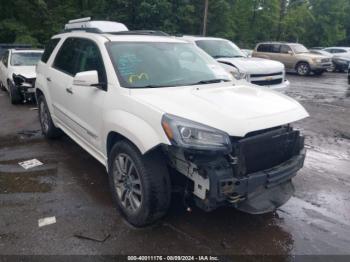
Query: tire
303, 69
319, 73
47, 126
14, 94
2, 87
140, 184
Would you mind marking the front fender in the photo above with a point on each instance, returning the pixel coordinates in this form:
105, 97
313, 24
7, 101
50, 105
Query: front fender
145, 135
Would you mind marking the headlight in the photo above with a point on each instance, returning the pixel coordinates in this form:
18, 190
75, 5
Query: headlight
237, 74
191, 135
317, 60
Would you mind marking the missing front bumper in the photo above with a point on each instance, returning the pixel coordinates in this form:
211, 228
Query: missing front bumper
255, 177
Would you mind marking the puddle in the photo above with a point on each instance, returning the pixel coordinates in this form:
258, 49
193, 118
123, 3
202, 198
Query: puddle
36, 181
29, 134
25, 136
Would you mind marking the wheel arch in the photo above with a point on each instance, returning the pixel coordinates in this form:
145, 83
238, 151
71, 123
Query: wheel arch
301, 61
114, 137
144, 135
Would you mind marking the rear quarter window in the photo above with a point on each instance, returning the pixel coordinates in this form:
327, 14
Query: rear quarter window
49, 49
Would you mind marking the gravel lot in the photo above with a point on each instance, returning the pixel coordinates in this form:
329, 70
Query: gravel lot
73, 187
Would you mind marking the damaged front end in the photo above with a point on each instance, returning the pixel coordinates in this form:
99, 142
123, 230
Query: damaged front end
254, 175
24, 86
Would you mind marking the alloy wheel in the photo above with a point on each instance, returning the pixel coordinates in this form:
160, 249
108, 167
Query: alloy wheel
303, 69
44, 117
127, 183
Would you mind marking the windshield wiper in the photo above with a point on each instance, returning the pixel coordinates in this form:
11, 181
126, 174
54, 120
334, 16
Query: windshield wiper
227, 56
153, 86
210, 81
223, 56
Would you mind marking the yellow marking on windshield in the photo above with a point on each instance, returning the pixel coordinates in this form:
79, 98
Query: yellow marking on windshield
142, 76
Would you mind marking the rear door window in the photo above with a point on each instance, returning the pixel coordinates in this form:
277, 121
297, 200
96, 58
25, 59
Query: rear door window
285, 49
339, 51
275, 48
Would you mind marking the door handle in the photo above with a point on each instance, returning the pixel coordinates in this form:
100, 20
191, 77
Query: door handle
69, 90
48, 79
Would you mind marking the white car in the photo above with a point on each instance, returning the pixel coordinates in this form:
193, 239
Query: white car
258, 71
341, 51
17, 73
156, 110
341, 57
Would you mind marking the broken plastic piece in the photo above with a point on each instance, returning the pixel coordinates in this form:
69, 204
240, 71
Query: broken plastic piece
46, 221
30, 163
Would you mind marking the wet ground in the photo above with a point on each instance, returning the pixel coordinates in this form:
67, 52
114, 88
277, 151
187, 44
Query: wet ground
73, 187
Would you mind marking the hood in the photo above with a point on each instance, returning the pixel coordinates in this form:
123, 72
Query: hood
254, 65
237, 110
26, 71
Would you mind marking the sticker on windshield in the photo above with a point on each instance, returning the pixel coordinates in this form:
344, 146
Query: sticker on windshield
127, 64
138, 77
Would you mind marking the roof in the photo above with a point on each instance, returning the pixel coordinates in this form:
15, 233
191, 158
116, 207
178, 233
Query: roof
278, 43
129, 36
196, 38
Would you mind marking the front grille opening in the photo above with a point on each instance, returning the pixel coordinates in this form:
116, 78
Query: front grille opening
262, 75
268, 82
261, 151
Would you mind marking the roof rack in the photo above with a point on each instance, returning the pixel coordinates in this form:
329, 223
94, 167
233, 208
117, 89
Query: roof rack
88, 25
140, 32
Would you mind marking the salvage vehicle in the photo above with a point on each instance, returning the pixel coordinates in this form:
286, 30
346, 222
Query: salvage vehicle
17, 73
258, 71
296, 57
341, 57
155, 110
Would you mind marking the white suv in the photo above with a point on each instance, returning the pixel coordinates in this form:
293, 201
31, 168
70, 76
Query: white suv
156, 111
17, 73
258, 71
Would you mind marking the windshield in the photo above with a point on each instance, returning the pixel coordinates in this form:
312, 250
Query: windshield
220, 48
299, 49
155, 64
25, 59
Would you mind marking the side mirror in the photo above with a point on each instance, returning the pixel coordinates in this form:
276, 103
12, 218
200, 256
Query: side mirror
87, 78
290, 52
